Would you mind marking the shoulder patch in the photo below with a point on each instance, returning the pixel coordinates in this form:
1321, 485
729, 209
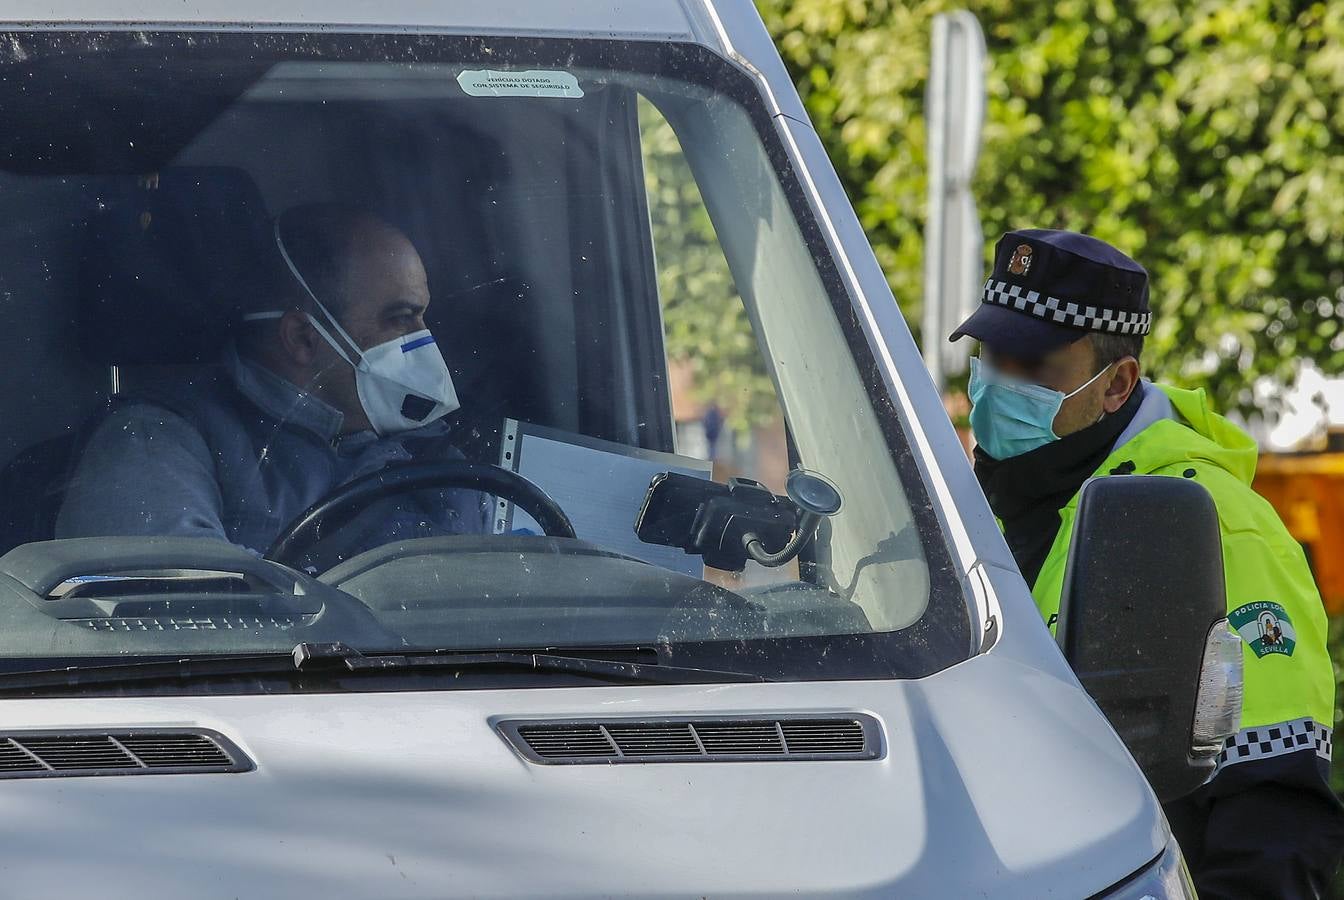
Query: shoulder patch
1265, 627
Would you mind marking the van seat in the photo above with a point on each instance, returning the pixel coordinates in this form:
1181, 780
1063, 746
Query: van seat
33, 487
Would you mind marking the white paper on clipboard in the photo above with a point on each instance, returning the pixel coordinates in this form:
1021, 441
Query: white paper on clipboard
599, 484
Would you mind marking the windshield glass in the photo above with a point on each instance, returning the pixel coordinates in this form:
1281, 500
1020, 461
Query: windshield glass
440, 344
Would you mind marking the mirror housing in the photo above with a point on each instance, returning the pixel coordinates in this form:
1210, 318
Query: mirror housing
1142, 621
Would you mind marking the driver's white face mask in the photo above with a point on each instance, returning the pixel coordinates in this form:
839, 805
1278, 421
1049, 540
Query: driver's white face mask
402, 383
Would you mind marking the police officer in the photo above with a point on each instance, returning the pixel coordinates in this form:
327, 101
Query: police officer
1057, 397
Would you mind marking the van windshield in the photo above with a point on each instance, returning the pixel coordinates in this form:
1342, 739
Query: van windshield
441, 344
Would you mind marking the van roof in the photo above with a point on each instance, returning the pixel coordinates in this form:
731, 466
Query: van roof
650, 19
729, 27
732, 28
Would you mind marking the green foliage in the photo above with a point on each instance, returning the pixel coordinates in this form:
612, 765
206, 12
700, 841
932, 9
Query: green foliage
704, 321
1201, 137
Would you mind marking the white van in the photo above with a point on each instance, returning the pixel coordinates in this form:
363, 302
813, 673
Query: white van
809, 668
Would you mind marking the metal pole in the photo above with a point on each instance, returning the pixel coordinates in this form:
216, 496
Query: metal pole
953, 243
935, 118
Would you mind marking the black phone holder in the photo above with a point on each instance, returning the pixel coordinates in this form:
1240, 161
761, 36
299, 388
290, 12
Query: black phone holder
727, 524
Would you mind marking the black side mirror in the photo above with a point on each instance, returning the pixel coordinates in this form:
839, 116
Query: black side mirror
1142, 621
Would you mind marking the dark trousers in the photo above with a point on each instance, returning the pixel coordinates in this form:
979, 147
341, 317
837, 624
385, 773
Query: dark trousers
1268, 829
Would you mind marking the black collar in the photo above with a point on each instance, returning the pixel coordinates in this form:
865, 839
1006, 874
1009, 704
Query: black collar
1027, 492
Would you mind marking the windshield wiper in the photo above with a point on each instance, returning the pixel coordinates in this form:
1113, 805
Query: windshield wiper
311, 658
572, 662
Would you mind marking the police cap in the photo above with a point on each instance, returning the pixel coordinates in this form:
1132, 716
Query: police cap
1051, 288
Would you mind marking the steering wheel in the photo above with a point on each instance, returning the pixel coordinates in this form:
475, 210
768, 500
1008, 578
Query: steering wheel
348, 500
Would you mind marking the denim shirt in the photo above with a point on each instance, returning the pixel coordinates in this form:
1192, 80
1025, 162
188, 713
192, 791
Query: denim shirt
237, 452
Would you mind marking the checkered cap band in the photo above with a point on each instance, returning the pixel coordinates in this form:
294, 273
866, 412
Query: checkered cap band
1281, 738
1065, 312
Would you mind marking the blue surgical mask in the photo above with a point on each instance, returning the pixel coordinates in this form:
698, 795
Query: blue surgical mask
1010, 416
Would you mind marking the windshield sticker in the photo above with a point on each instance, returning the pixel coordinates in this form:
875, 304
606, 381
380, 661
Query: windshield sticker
532, 83
1265, 627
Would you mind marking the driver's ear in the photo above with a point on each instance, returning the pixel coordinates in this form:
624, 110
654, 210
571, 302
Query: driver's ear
299, 338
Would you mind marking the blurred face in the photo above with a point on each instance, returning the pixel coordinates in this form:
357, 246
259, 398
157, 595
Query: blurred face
1067, 369
384, 296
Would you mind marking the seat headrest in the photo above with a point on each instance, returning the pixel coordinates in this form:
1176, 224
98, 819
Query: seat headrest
169, 260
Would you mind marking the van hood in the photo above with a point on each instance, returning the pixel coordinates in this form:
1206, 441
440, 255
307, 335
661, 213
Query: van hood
994, 778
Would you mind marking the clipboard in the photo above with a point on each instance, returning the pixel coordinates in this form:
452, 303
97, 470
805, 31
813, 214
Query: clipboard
599, 484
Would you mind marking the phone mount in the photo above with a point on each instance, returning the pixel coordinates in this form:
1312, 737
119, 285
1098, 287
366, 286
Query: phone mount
727, 524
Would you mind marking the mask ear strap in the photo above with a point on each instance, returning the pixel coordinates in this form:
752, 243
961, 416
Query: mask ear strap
1082, 387
349, 357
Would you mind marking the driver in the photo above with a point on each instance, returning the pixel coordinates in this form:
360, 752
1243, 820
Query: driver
333, 376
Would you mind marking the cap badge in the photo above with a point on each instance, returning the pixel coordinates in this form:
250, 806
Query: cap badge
1021, 261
